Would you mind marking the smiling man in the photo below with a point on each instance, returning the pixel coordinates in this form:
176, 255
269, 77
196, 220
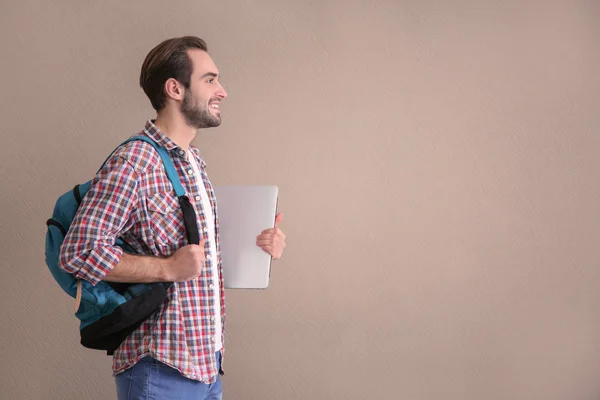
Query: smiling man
177, 352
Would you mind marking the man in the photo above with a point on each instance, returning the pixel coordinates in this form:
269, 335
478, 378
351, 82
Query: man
177, 352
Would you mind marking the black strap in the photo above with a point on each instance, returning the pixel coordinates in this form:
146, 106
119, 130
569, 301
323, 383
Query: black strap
57, 224
77, 195
189, 220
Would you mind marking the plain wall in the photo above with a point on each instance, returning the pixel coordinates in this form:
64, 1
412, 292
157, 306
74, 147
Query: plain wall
439, 174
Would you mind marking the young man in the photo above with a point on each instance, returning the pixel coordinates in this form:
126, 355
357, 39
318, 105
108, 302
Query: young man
176, 353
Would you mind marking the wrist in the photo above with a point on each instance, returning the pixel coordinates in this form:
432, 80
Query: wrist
164, 269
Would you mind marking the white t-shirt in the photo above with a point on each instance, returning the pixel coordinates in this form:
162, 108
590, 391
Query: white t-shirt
212, 249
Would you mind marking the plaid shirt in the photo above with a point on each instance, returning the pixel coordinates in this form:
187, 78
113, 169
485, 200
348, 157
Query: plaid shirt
131, 197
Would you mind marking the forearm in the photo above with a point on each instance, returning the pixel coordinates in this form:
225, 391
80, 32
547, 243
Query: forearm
139, 269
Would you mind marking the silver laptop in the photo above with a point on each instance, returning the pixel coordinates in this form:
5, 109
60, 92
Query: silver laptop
244, 212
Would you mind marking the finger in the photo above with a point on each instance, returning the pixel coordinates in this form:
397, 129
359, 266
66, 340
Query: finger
272, 251
267, 236
268, 248
275, 231
202, 243
271, 238
276, 247
278, 219
270, 242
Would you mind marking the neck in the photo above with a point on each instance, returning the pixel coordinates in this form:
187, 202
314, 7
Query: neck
174, 126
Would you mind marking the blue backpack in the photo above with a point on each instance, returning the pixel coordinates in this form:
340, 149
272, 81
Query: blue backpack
110, 311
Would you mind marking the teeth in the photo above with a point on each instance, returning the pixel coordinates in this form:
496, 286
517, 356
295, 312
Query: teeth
214, 106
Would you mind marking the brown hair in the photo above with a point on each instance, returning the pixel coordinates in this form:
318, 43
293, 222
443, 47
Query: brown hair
168, 60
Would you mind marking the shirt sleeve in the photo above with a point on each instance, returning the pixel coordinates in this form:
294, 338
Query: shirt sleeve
88, 251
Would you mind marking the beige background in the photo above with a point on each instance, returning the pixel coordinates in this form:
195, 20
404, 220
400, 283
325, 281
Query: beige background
439, 171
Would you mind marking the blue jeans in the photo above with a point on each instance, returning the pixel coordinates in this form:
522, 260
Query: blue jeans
150, 379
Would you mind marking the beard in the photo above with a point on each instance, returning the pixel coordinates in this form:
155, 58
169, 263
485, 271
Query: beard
197, 115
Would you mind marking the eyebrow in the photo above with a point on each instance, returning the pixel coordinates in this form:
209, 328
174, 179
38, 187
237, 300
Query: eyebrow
213, 74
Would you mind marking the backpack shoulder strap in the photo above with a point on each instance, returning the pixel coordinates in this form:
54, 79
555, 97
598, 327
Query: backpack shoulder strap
166, 159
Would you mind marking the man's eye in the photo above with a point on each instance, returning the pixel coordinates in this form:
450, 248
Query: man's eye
211, 80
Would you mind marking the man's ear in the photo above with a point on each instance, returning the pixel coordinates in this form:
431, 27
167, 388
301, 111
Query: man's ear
174, 89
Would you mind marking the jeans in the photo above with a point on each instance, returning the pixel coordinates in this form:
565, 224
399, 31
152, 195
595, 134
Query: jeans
150, 379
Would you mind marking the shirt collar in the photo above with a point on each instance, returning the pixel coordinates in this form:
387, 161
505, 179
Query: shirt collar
154, 133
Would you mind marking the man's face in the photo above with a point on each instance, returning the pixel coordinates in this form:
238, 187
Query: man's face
201, 102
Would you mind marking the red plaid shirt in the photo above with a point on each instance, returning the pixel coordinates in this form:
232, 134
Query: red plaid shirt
131, 197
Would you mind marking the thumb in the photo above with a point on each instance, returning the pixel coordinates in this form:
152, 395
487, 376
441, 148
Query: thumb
278, 219
202, 243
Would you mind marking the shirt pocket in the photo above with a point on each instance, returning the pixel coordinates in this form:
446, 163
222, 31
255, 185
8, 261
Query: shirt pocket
165, 218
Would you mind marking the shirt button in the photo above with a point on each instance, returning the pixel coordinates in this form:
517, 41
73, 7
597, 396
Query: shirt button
212, 339
190, 172
197, 198
181, 152
205, 229
208, 257
211, 286
212, 318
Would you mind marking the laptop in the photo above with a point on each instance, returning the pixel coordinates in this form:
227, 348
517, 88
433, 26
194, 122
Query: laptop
244, 212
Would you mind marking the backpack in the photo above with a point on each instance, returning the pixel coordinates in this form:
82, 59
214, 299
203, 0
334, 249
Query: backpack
110, 311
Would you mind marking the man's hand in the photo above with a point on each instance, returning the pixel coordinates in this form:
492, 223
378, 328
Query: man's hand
272, 240
186, 263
